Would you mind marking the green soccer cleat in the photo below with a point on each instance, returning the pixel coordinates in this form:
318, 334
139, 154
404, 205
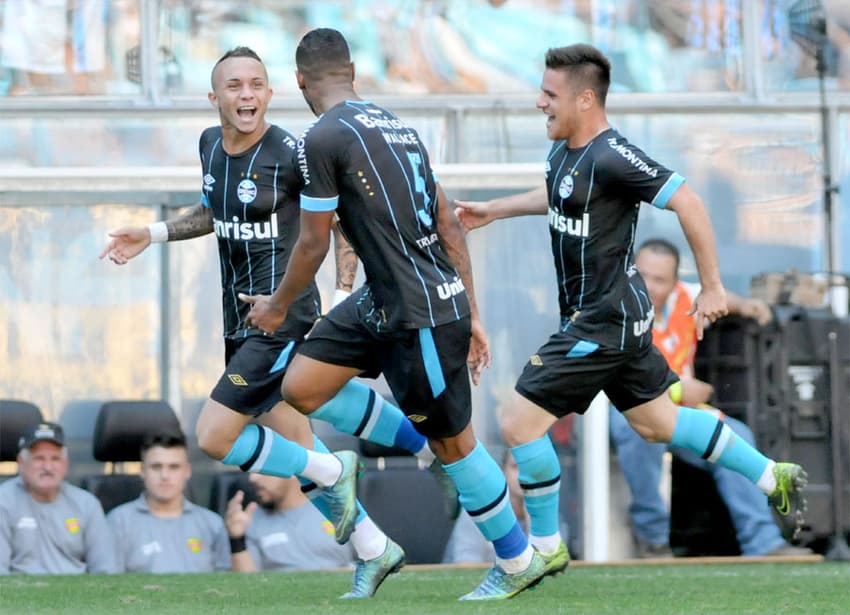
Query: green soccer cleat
499, 585
556, 561
369, 574
448, 487
787, 498
342, 497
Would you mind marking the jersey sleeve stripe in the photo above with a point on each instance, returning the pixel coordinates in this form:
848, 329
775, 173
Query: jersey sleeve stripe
670, 186
313, 203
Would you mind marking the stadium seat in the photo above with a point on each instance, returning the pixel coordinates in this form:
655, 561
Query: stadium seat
15, 417
407, 503
78, 419
120, 428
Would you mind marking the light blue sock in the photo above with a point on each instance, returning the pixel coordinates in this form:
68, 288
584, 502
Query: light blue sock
316, 496
359, 411
540, 481
712, 439
260, 449
484, 495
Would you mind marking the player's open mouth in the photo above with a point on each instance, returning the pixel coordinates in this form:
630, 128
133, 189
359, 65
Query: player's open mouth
246, 112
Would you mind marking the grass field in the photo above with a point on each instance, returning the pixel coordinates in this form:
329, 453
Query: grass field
734, 589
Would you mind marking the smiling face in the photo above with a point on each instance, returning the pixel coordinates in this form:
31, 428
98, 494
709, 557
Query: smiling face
241, 94
561, 104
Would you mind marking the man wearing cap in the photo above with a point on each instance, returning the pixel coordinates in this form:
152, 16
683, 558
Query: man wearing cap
48, 526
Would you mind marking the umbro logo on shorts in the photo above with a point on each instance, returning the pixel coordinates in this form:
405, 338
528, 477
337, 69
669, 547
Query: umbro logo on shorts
536, 360
416, 418
237, 380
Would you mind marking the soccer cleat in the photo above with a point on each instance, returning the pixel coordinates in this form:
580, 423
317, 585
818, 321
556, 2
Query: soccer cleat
787, 498
448, 487
499, 585
369, 574
342, 497
556, 561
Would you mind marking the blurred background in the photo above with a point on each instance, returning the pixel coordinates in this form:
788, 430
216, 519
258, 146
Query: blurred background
102, 103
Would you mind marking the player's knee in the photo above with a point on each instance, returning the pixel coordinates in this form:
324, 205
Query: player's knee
652, 432
513, 430
299, 397
213, 444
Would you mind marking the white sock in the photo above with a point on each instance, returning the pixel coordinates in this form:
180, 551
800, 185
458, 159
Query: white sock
368, 540
546, 544
426, 455
324, 469
518, 563
767, 482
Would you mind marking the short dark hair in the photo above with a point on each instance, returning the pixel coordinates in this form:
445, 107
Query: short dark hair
662, 246
164, 439
584, 62
322, 51
236, 52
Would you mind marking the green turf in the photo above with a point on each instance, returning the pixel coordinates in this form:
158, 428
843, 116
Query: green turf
729, 589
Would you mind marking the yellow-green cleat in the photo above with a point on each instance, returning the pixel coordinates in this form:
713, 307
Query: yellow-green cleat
787, 498
556, 561
369, 574
342, 497
499, 585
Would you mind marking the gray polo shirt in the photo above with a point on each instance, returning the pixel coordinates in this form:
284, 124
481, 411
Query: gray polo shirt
296, 539
66, 536
196, 541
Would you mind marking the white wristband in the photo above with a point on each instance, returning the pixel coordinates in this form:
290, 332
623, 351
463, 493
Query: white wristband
159, 232
339, 296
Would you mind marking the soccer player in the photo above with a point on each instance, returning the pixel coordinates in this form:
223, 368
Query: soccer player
48, 526
595, 182
415, 319
674, 334
249, 200
161, 531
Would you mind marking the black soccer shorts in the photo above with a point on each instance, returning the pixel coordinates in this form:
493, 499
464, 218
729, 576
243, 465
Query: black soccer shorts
567, 372
425, 368
255, 366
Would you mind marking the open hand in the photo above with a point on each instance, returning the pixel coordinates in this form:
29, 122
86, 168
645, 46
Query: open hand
126, 242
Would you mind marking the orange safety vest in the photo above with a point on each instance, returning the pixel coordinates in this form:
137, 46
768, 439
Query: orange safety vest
677, 341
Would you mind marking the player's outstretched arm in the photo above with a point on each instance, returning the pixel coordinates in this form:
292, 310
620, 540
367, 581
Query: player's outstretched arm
711, 301
346, 264
129, 241
474, 214
314, 240
452, 239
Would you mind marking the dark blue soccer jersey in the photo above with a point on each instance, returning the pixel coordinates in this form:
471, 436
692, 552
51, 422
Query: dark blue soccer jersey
365, 163
595, 194
254, 199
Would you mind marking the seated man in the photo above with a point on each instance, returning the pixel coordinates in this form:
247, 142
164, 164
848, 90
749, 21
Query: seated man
674, 334
162, 531
48, 526
285, 532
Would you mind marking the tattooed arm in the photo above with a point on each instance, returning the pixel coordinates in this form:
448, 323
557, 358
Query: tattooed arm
129, 241
346, 260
